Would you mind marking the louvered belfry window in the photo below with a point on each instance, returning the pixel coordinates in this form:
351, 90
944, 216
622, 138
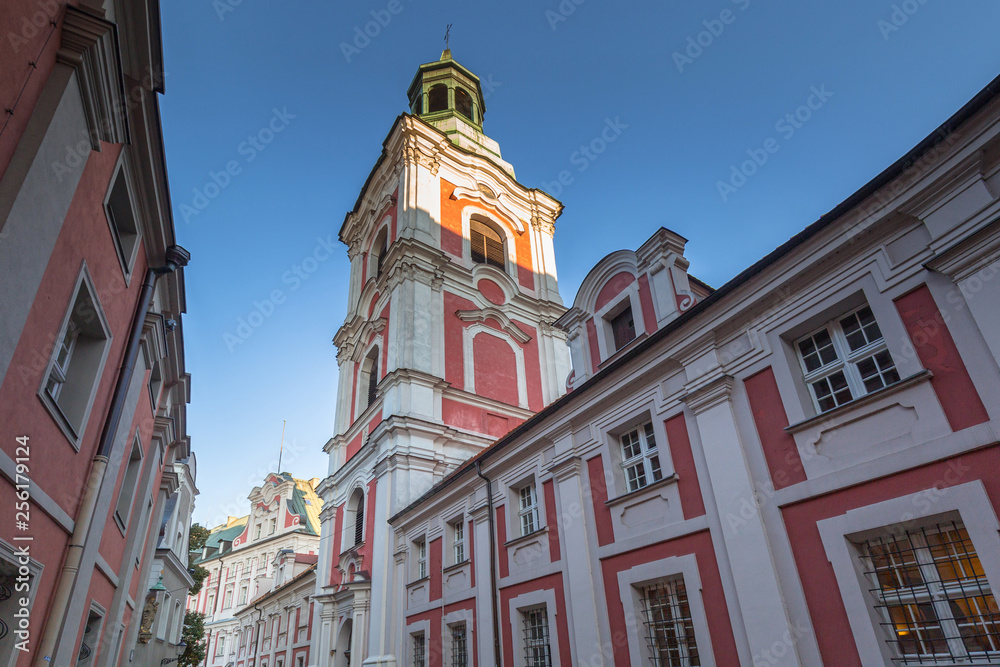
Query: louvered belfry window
373, 377
487, 245
359, 521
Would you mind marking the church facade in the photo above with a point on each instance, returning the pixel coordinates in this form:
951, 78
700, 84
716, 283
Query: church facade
800, 467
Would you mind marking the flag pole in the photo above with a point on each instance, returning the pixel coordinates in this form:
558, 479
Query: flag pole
281, 448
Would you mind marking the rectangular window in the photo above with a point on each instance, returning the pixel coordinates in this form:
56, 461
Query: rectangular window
227, 601
666, 615
933, 596
126, 494
272, 527
421, 558
243, 595
220, 645
458, 540
121, 219
535, 623
459, 646
623, 328
419, 651
79, 351
640, 457
91, 639
845, 359
256, 532
528, 509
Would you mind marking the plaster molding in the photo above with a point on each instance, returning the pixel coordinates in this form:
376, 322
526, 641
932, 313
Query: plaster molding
710, 395
492, 312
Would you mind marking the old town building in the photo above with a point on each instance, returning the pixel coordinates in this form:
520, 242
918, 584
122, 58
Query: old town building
94, 450
254, 563
799, 467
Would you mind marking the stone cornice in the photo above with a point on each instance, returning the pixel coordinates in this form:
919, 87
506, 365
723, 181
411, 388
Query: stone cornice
566, 468
89, 45
710, 395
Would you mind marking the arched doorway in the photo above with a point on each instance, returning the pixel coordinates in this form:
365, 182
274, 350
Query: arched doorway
342, 657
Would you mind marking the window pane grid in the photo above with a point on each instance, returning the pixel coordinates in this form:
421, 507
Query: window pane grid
536, 638
528, 509
419, 653
846, 359
669, 628
934, 596
640, 457
459, 646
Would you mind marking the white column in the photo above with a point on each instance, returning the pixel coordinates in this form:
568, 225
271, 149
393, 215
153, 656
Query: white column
484, 599
576, 538
384, 610
758, 595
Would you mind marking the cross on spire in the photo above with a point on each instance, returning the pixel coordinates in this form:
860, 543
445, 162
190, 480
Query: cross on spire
447, 35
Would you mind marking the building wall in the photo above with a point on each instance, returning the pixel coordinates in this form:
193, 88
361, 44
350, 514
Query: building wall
57, 167
766, 499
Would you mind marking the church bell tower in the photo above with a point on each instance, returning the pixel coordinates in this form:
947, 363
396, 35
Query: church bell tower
447, 345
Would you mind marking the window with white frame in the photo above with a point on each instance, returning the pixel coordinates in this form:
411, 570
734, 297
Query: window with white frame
256, 532
227, 600
272, 527
527, 503
220, 645
666, 616
535, 626
458, 540
929, 588
420, 546
91, 638
78, 355
640, 457
126, 494
122, 221
243, 594
622, 327
845, 359
459, 646
486, 245
419, 650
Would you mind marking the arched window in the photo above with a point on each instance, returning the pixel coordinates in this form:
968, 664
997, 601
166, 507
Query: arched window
486, 244
380, 246
437, 98
463, 103
369, 375
357, 507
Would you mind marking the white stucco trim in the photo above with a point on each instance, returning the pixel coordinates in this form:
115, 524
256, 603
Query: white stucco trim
605, 336
971, 503
662, 570
453, 618
416, 628
468, 336
524, 601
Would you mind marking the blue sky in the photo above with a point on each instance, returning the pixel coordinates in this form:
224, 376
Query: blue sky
695, 90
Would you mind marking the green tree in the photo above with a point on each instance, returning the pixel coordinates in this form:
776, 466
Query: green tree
197, 537
198, 573
193, 635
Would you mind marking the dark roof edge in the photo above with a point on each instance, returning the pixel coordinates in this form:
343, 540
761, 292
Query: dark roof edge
894, 170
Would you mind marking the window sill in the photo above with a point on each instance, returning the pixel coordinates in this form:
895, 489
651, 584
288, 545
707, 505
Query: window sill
456, 566
658, 484
916, 378
419, 581
352, 550
526, 538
